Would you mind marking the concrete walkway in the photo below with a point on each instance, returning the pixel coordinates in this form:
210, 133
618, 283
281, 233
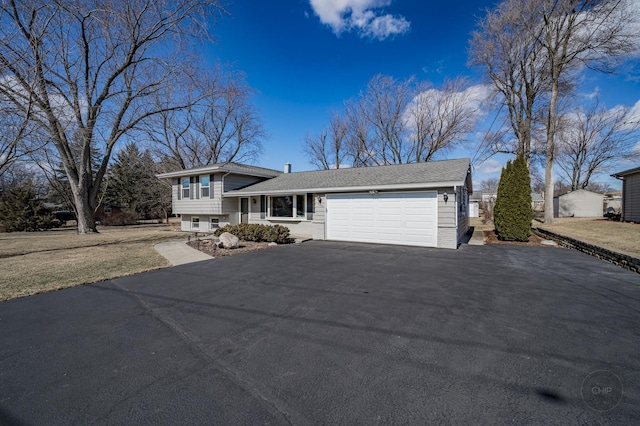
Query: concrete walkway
179, 253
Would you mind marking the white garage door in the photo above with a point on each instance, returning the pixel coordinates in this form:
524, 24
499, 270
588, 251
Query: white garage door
408, 218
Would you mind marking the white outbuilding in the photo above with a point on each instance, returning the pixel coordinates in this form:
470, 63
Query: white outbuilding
579, 203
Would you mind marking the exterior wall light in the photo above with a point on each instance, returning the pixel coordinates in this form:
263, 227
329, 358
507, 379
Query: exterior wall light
445, 196
373, 192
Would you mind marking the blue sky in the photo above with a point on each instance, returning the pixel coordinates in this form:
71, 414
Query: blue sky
305, 59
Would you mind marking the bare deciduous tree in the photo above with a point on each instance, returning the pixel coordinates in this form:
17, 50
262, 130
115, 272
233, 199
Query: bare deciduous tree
19, 136
328, 149
396, 122
514, 63
220, 125
438, 119
555, 39
489, 188
90, 69
590, 139
576, 33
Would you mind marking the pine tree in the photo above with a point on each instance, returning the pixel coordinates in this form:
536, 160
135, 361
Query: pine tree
513, 212
22, 210
132, 184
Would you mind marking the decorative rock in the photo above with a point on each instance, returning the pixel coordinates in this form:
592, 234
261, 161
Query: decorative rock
229, 241
272, 244
549, 243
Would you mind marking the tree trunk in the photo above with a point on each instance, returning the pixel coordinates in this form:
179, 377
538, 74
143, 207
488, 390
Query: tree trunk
85, 211
548, 170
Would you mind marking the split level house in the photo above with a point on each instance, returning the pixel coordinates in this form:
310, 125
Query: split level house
419, 204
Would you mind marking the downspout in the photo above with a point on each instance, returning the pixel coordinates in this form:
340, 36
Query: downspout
455, 212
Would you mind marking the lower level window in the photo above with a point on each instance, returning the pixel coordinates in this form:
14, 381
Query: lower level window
215, 222
195, 222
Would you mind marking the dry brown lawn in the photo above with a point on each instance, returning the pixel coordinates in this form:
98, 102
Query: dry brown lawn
33, 263
617, 236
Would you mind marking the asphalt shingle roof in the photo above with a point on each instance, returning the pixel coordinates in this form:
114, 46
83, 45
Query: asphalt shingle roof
404, 174
224, 167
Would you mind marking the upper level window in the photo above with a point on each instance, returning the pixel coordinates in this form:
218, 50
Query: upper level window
205, 185
186, 184
292, 206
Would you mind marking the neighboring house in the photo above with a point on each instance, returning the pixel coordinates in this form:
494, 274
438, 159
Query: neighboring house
630, 194
537, 202
199, 195
105, 210
475, 204
578, 203
420, 204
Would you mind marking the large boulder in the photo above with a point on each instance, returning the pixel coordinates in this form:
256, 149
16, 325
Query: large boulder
229, 241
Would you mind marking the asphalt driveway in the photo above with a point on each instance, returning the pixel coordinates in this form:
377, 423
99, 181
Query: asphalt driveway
333, 333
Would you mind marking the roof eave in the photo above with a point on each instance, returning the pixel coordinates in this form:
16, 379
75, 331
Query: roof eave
626, 172
192, 172
396, 187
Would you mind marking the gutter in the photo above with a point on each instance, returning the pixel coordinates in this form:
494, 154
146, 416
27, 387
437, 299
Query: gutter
367, 188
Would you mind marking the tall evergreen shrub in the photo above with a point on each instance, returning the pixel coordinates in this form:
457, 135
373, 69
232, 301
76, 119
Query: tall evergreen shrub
21, 210
513, 212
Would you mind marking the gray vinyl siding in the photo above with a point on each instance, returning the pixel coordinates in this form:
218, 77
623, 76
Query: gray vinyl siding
447, 232
231, 209
234, 181
205, 223
193, 205
631, 198
302, 228
318, 228
462, 201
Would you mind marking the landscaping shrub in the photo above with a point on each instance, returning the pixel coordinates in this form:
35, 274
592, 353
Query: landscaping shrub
125, 217
256, 232
512, 212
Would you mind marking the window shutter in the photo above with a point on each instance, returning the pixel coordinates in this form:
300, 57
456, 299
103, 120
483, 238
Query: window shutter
263, 206
310, 206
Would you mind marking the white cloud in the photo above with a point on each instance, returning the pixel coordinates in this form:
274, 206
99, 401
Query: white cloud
491, 166
633, 116
362, 16
445, 105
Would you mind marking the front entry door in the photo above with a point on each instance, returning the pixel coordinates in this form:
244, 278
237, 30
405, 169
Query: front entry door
244, 210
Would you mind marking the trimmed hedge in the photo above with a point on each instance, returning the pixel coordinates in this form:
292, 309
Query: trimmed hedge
256, 232
513, 212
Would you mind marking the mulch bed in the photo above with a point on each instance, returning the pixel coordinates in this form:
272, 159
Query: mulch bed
491, 238
207, 247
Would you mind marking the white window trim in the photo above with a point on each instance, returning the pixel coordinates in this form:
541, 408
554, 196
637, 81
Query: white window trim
212, 224
198, 222
295, 202
202, 196
182, 188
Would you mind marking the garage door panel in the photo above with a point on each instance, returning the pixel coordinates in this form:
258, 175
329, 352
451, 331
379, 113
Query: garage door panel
391, 218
